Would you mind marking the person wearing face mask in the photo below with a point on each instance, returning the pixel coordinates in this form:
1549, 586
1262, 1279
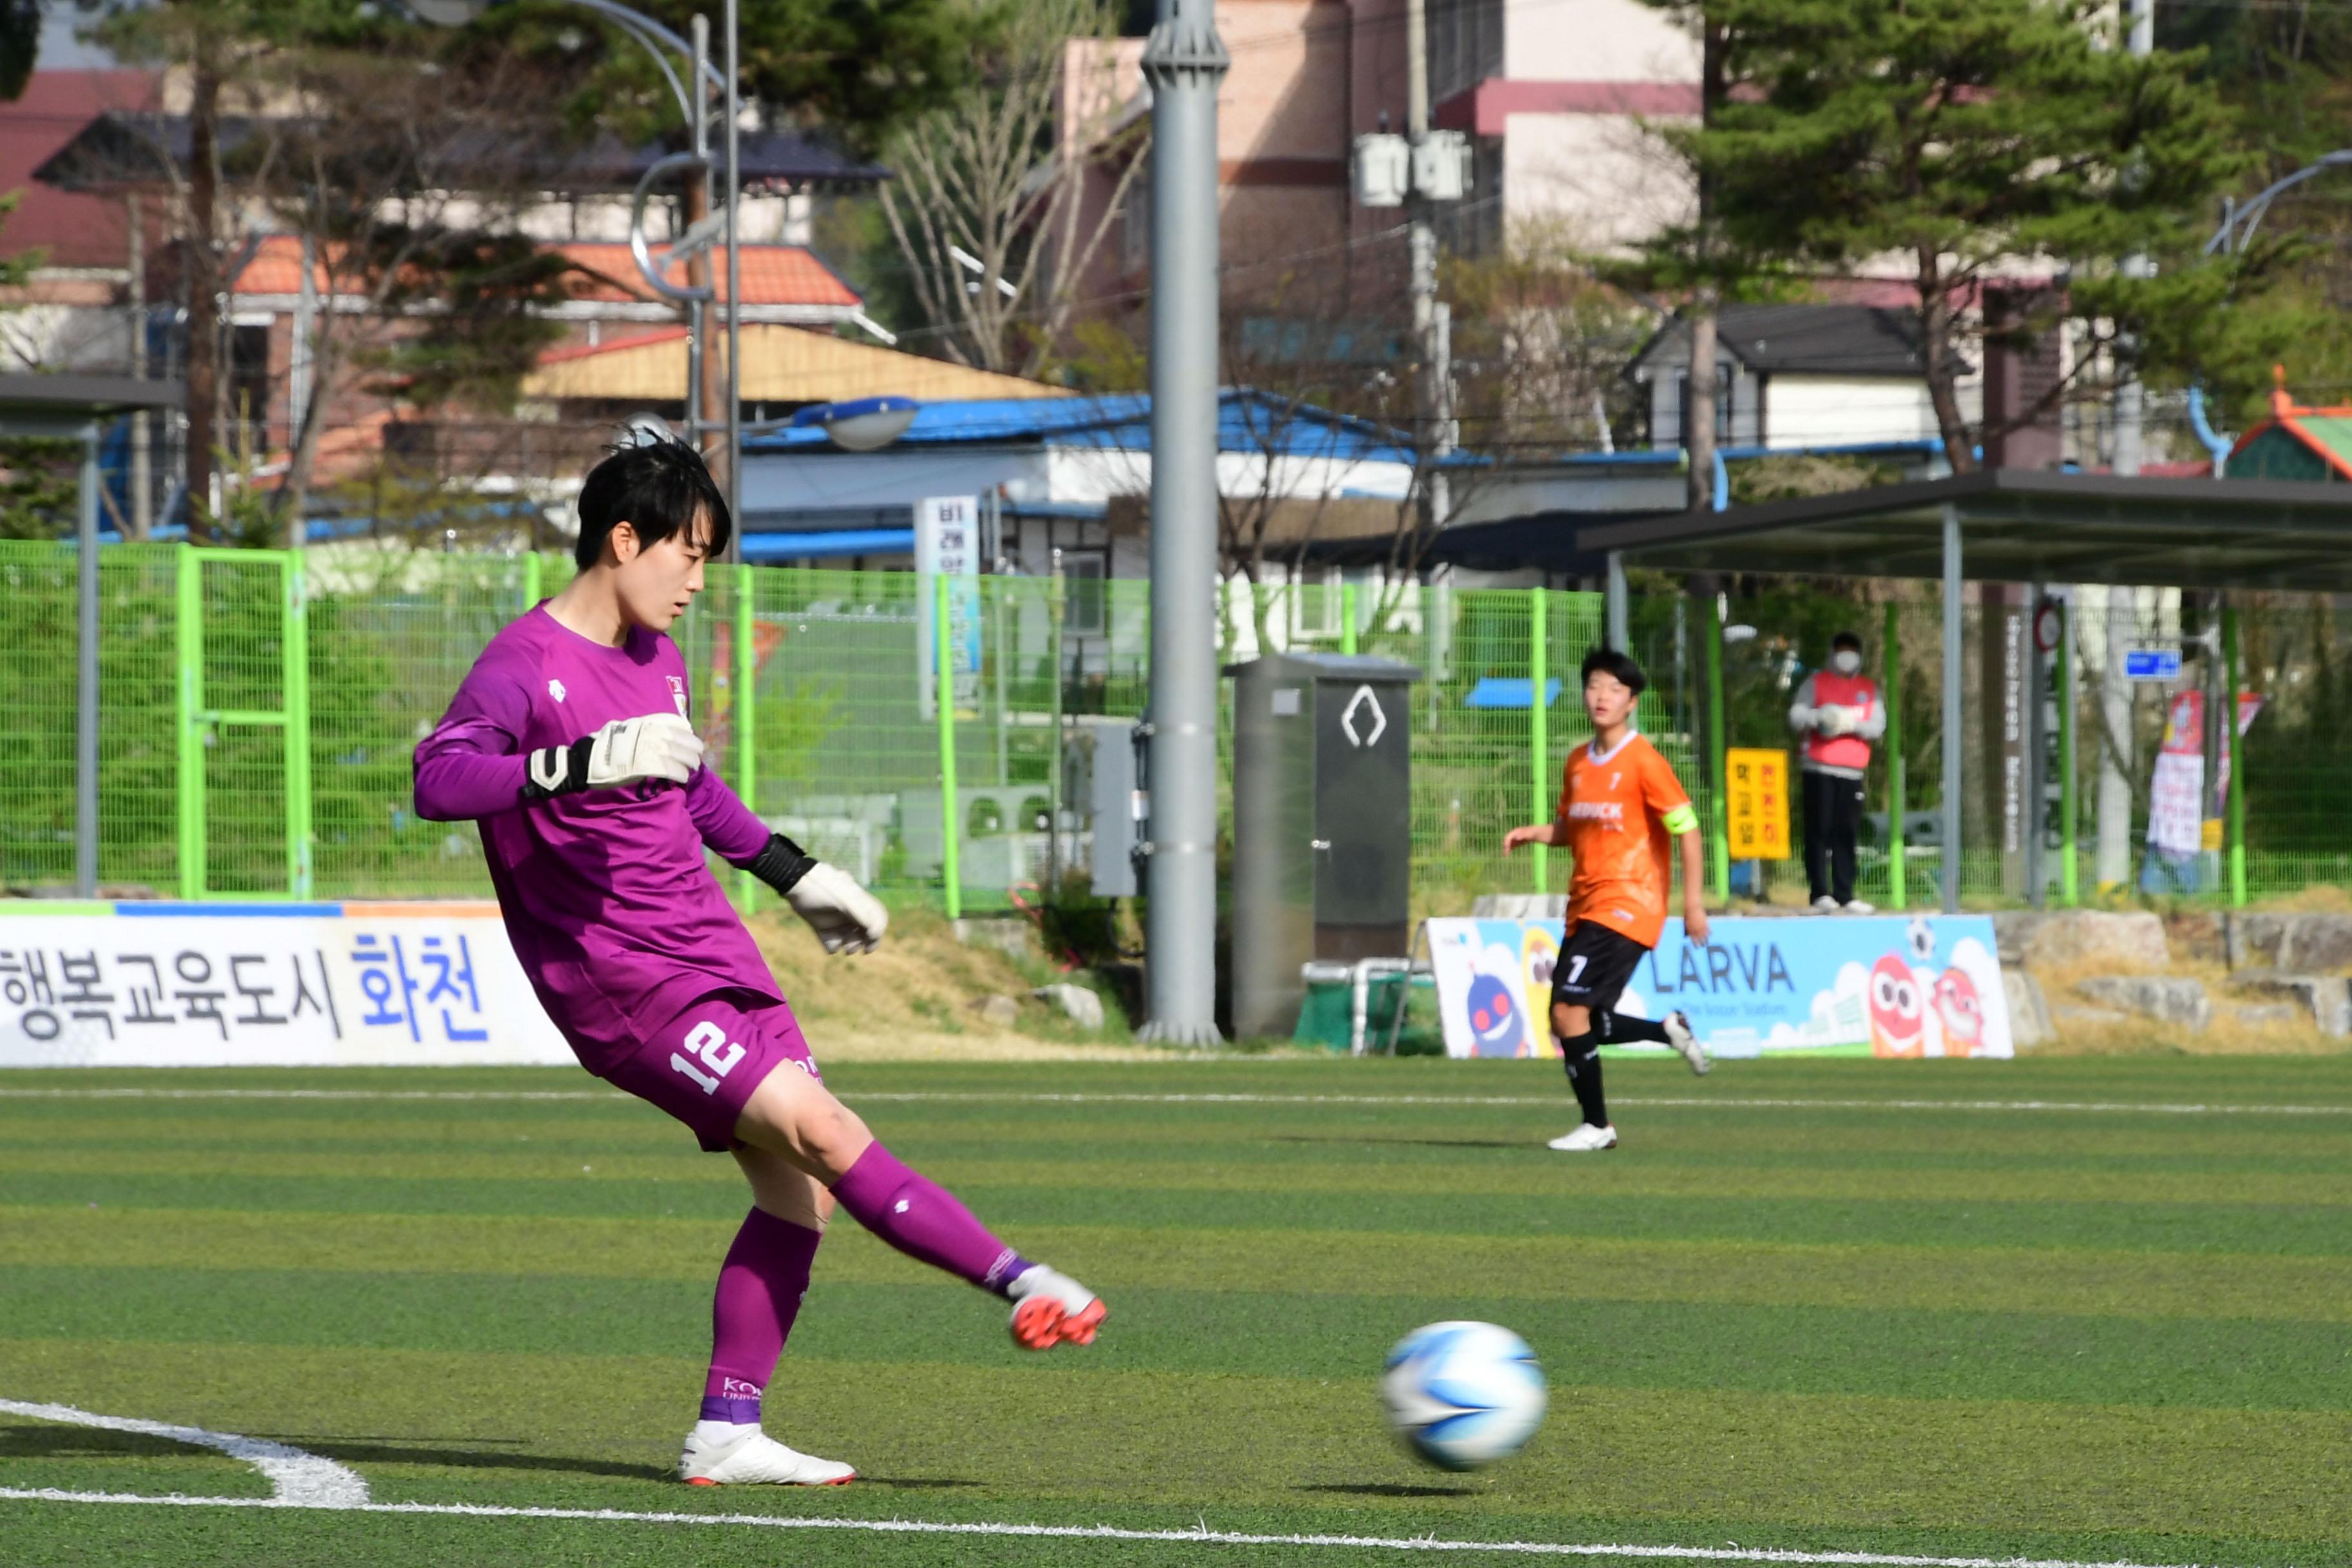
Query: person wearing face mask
1839, 715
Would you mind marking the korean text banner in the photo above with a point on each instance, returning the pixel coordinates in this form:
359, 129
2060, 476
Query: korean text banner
1929, 986
190, 989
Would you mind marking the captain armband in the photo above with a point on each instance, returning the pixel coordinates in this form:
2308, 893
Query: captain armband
1681, 819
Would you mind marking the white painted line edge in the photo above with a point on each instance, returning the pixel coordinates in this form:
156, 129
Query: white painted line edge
297, 1479
1690, 1102
1202, 1536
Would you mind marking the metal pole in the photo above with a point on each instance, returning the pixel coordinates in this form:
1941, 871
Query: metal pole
2070, 874
1719, 828
1184, 61
1347, 618
698, 314
1540, 727
944, 704
1061, 746
1898, 889
297, 639
1431, 346
747, 708
142, 474
86, 694
2236, 811
2130, 397
189, 640
1618, 616
1954, 750
734, 293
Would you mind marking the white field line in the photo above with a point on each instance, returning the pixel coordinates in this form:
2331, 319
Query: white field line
297, 1479
1202, 1536
1690, 1102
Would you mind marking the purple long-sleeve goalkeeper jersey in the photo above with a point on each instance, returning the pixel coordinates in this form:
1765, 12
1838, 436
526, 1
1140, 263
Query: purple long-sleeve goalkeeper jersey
608, 900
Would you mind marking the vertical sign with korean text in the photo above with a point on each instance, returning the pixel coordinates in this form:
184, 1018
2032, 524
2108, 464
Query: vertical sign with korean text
947, 544
1756, 800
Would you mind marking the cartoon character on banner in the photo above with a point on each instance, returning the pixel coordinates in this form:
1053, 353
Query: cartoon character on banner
1960, 1010
1539, 954
1899, 997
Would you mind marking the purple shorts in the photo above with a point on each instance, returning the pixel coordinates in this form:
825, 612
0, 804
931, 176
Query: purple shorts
703, 1066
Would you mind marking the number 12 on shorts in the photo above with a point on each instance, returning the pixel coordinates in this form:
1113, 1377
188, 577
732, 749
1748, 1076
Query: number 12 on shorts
709, 1042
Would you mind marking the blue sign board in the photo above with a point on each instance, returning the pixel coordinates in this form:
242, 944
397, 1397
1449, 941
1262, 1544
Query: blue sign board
2152, 663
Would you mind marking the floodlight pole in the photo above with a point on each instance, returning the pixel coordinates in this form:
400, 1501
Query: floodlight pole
1184, 61
85, 639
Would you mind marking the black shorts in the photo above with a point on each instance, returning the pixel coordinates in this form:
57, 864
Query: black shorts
1592, 969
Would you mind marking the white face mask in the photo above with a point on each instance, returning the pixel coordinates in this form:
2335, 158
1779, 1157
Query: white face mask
1845, 661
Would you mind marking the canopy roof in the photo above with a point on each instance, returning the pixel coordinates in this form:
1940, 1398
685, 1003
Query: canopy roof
781, 364
2021, 525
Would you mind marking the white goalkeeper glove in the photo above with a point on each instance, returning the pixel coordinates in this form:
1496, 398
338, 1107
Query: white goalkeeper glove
1834, 719
656, 746
845, 916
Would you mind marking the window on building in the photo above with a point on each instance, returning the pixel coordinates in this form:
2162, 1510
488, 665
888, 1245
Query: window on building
1085, 606
1724, 380
248, 389
1466, 45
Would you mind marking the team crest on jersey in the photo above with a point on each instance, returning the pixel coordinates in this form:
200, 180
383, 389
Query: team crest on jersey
555, 690
678, 693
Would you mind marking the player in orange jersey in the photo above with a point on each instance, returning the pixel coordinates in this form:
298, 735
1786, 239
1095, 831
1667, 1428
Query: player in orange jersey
1619, 804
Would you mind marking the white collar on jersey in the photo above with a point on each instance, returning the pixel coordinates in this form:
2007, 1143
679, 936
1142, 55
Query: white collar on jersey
1591, 747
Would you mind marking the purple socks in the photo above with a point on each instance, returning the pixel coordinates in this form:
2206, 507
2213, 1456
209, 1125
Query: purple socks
760, 1290
923, 1220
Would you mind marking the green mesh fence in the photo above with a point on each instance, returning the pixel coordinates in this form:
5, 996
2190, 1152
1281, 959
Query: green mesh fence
260, 713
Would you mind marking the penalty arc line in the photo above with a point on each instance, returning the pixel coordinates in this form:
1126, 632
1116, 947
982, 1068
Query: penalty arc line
1202, 1536
1679, 1102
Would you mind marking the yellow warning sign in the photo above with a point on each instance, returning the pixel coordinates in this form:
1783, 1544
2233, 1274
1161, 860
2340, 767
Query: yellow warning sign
1756, 794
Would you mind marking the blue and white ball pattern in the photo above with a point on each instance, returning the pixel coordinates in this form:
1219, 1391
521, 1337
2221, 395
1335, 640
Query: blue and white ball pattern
1463, 1395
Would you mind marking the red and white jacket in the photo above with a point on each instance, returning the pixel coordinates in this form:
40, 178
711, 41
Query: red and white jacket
1846, 756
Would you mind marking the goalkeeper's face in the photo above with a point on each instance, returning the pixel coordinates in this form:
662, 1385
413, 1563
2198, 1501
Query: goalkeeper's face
657, 582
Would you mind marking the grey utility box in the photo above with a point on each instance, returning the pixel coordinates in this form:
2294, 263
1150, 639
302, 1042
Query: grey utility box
1322, 824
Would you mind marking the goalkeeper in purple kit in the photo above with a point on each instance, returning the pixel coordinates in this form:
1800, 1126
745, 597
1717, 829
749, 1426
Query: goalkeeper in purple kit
571, 745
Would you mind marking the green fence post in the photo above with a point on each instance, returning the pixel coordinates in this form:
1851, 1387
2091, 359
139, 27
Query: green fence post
1898, 889
189, 606
1538, 729
746, 711
2234, 757
532, 570
943, 702
1719, 828
296, 616
2070, 881
1347, 618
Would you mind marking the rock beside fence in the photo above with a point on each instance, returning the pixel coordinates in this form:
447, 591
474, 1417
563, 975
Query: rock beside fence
2168, 999
2065, 938
2029, 1014
1075, 1002
2301, 944
2326, 1000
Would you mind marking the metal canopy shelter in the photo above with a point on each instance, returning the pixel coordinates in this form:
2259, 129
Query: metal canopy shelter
2009, 525
74, 408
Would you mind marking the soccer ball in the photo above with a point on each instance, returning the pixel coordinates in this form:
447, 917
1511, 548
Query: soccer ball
1463, 1395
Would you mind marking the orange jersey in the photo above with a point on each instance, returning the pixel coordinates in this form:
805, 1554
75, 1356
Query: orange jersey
1621, 812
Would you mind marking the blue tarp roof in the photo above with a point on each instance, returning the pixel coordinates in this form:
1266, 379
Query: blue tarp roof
1248, 420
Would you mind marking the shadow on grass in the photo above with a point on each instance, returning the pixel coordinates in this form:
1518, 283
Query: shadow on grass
47, 1442
1392, 1489
1404, 1142
384, 1453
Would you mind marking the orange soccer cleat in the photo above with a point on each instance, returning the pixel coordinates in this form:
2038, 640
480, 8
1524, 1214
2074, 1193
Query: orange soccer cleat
1051, 1308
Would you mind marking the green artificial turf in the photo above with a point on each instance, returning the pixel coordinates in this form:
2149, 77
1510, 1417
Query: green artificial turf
1894, 1317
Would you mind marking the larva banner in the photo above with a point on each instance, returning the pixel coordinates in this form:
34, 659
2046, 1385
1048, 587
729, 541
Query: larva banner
1927, 986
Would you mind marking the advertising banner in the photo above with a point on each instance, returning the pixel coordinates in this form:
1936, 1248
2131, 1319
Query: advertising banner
1756, 801
947, 544
1885, 986
265, 985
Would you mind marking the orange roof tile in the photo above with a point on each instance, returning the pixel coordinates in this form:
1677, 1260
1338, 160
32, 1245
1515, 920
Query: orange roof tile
774, 275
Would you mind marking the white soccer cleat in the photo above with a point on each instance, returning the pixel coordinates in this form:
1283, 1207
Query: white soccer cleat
1051, 1308
1587, 1139
1825, 905
1856, 907
1680, 1036
755, 1458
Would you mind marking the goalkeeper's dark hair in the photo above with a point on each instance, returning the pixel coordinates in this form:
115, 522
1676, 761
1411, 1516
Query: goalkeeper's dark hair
657, 487
1610, 661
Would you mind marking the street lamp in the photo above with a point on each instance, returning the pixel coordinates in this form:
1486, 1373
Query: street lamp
718, 227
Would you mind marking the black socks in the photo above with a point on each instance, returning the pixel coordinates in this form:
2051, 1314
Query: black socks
1616, 1030
1583, 1052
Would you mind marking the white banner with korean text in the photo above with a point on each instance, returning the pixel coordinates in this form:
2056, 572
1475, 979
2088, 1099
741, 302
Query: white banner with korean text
365, 985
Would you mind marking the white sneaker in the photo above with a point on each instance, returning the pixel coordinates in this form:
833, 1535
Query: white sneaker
1680, 1036
748, 1457
1825, 905
1856, 907
1585, 1139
